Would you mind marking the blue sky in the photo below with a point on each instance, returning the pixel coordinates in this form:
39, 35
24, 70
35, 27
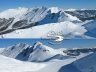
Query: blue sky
65, 44
78, 4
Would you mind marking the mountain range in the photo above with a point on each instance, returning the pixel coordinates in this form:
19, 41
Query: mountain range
29, 22
62, 59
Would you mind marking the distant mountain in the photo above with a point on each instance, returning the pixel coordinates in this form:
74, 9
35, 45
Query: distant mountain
41, 53
83, 14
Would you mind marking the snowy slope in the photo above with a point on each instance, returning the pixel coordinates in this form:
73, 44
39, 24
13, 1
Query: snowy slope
85, 64
12, 65
1, 50
82, 62
82, 65
91, 28
67, 29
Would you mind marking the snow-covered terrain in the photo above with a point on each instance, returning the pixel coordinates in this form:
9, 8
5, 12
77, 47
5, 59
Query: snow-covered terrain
12, 65
28, 17
41, 58
42, 53
1, 50
37, 53
91, 28
67, 29
38, 22
85, 64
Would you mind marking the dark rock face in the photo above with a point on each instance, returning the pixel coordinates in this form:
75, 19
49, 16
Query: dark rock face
19, 24
76, 52
5, 23
24, 55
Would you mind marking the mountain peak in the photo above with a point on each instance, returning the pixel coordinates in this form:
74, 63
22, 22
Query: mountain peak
37, 45
21, 44
70, 10
54, 9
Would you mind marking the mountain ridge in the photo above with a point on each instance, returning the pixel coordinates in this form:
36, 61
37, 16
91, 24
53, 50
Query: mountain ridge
28, 19
40, 53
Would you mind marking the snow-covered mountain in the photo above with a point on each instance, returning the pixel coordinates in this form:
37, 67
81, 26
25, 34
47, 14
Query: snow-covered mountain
44, 58
41, 53
38, 52
38, 22
51, 15
27, 17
